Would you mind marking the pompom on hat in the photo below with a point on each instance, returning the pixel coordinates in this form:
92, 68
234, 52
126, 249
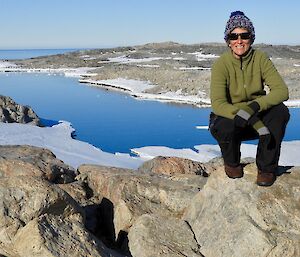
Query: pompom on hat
239, 20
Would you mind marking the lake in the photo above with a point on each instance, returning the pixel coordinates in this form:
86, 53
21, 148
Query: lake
111, 121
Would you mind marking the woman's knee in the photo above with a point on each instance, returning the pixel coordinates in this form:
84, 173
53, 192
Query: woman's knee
277, 120
277, 115
282, 113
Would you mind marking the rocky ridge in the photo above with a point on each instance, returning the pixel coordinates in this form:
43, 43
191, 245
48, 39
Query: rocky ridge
172, 67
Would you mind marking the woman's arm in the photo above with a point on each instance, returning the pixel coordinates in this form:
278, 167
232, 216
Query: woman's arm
278, 89
219, 92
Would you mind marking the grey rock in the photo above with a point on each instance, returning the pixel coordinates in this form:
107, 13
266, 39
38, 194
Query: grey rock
11, 112
78, 191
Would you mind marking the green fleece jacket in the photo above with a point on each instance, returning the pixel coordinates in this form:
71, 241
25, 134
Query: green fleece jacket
236, 83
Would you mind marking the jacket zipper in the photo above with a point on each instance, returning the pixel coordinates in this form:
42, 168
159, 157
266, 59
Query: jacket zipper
243, 77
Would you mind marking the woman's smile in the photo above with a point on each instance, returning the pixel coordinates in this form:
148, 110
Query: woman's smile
239, 46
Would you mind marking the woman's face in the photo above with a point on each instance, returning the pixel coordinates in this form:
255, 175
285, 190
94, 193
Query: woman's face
239, 46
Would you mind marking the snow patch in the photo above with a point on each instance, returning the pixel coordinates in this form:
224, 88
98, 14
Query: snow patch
131, 85
124, 59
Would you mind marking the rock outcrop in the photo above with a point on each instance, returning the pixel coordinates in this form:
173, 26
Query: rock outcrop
49, 209
131, 194
214, 216
11, 112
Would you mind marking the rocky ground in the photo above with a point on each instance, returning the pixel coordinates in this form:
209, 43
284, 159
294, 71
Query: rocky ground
170, 66
170, 207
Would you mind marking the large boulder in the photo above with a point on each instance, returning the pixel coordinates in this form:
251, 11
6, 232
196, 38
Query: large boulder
129, 194
48, 235
238, 218
11, 112
175, 165
34, 161
25, 198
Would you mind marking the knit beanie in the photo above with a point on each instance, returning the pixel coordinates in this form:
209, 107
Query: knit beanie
239, 20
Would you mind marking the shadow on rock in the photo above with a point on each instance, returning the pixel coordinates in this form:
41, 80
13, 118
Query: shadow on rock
100, 221
283, 170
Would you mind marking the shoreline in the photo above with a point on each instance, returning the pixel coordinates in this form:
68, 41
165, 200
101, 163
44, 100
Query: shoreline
169, 97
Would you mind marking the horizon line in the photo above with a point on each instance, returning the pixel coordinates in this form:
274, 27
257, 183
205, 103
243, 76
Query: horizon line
117, 46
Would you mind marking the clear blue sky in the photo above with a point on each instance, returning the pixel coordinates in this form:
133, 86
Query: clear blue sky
98, 23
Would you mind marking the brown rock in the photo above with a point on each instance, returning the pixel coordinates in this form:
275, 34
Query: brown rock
34, 161
173, 165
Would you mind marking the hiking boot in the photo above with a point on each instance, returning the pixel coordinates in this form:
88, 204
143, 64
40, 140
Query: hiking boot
234, 172
265, 178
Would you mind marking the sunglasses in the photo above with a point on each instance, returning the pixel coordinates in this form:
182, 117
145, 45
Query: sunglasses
235, 36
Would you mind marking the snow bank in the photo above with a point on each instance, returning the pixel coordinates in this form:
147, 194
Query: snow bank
74, 152
58, 139
131, 85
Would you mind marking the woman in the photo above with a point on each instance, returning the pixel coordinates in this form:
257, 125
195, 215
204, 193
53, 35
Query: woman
242, 108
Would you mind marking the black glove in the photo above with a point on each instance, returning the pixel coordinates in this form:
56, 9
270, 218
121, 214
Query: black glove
265, 137
244, 114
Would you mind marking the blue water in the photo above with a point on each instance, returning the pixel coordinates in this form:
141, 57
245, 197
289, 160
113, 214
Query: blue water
114, 122
29, 53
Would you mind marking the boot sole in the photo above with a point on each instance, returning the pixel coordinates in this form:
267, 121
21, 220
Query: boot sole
265, 184
233, 177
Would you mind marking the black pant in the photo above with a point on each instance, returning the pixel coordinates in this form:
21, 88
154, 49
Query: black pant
229, 137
